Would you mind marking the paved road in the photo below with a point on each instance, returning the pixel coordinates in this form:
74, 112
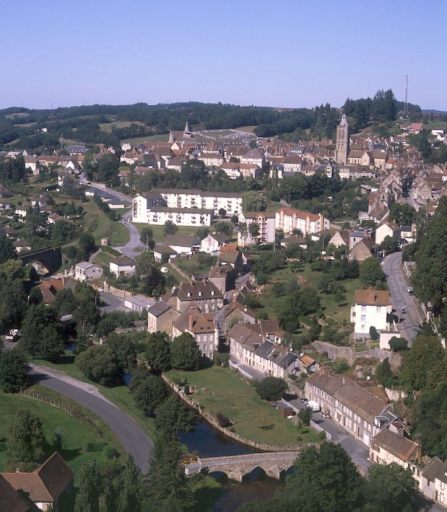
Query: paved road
134, 246
134, 440
112, 303
409, 321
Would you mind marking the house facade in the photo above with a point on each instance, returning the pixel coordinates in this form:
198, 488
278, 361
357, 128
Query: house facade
266, 228
85, 271
356, 409
289, 219
371, 308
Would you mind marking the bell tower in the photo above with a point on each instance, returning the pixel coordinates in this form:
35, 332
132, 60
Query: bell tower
342, 141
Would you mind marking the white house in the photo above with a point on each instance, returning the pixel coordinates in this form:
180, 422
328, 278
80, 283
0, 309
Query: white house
86, 271
122, 266
384, 230
211, 244
371, 309
289, 219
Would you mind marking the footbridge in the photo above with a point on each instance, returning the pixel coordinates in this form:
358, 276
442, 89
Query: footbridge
237, 466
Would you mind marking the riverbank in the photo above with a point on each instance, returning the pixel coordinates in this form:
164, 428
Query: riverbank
218, 390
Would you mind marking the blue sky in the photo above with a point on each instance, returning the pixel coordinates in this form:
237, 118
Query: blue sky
285, 53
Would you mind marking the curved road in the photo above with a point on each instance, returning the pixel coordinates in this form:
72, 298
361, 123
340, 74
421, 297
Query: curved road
398, 285
134, 246
133, 438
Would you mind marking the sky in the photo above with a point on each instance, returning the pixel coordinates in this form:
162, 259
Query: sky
281, 53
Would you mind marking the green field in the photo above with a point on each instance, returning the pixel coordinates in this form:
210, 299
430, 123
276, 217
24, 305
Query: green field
119, 395
195, 264
221, 390
80, 441
100, 225
108, 127
159, 233
159, 137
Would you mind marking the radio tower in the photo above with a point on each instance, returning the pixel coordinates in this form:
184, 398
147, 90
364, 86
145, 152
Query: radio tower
406, 98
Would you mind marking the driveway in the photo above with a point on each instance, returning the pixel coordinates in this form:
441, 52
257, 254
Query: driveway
410, 321
134, 246
133, 438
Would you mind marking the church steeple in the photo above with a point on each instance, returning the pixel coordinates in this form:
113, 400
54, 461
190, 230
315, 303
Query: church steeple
342, 141
187, 131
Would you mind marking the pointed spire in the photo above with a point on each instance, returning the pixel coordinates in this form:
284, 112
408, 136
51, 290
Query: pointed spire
186, 130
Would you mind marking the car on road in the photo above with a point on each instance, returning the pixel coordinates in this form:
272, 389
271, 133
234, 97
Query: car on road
403, 310
410, 290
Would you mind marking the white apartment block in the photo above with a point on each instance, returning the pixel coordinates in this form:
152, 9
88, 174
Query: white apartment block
179, 216
370, 309
266, 225
289, 219
231, 202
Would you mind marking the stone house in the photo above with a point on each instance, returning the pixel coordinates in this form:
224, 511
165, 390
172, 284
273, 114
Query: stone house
203, 294
202, 328
212, 243
160, 317
434, 481
360, 412
361, 251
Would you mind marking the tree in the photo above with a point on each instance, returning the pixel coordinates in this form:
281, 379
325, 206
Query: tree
158, 352
185, 353
384, 375
202, 232
271, 388
149, 392
154, 282
13, 371
87, 246
99, 364
390, 488
107, 169
168, 488
253, 229
305, 415
7, 250
254, 202
89, 488
225, 228
424, 365
131, 493
325, 479
402, 214
373, 333
12, 303
51, 345
40, 336
146, 235
371, 273
398, 344
173, 417
430, 420
62, 232
144, 263
222, 212
124, 350
26, 440
170, 228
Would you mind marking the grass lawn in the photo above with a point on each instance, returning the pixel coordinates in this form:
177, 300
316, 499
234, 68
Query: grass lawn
100, 226
104, 257
221, 390
80, 441
119, 395
159, 137
159, 233
108, 127
196, 264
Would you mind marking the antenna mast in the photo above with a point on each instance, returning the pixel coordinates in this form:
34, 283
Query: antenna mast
406, 98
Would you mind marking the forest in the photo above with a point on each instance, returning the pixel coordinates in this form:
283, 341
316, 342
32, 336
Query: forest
43, 129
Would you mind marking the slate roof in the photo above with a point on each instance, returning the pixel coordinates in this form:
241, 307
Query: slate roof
123, 261
198, 290
10, 501
436, 469
402, 447
159, 308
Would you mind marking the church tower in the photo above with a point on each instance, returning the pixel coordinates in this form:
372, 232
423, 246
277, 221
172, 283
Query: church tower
342, 141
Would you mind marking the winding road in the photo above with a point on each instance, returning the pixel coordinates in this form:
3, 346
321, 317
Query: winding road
133, 438
398, 285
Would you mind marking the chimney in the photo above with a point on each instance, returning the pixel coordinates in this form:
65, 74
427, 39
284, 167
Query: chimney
190, 321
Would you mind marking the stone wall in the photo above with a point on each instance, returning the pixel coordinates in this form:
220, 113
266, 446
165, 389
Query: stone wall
350, 355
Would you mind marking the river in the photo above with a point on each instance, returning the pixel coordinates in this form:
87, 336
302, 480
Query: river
206, 441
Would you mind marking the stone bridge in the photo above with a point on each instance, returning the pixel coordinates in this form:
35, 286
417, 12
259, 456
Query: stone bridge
45, 261
237, 466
